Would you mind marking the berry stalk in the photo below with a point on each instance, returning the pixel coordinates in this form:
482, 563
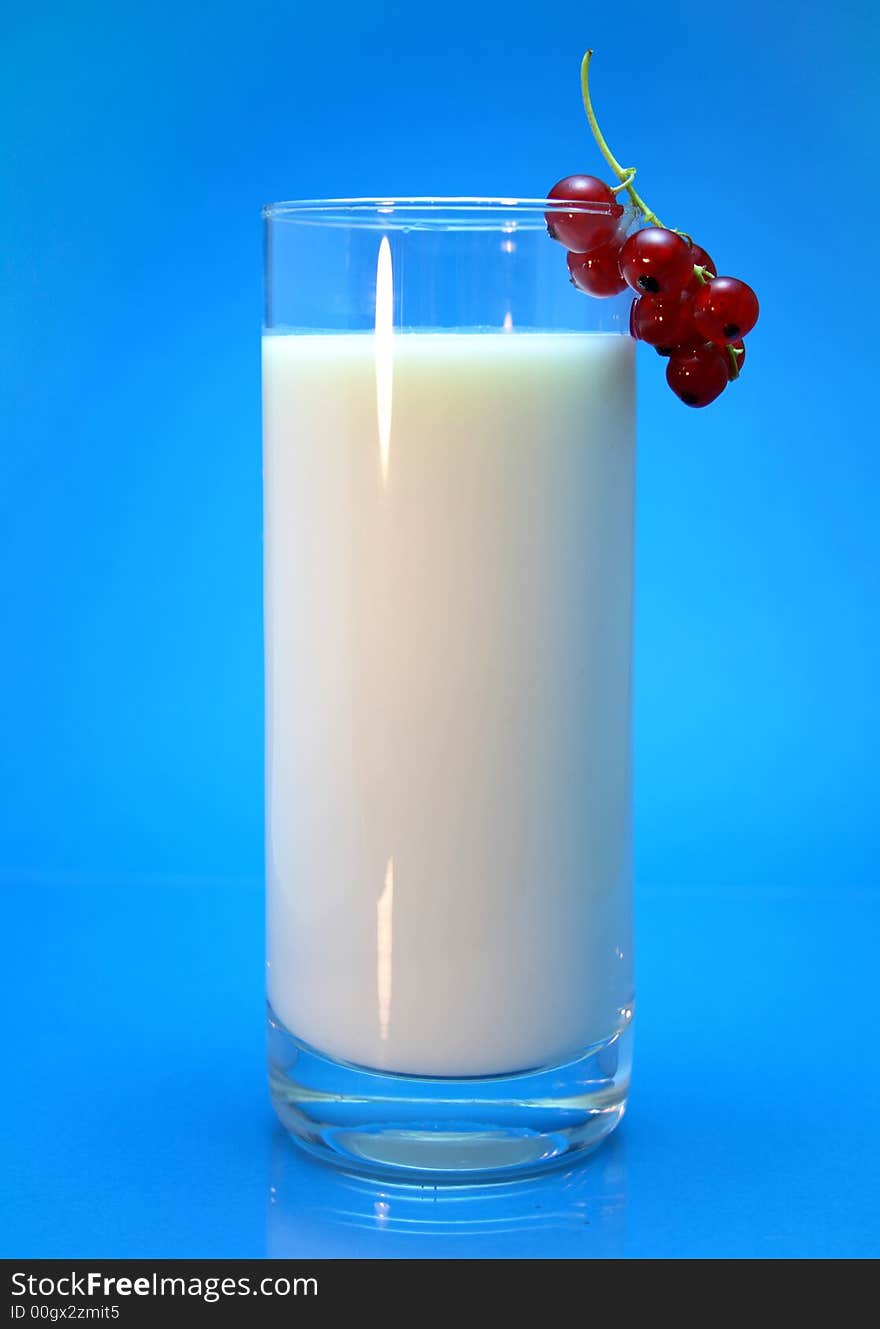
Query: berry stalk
625, 174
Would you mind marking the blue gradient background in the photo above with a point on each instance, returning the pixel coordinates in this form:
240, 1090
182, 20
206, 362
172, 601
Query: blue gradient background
139, 142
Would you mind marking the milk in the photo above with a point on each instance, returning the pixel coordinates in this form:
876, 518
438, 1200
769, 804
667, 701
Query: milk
448, 573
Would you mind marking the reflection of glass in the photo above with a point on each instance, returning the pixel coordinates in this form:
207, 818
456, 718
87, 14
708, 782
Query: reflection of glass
574, 1213
449, 464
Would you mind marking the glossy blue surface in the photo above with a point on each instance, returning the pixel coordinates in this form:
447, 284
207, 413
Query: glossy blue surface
136, 1120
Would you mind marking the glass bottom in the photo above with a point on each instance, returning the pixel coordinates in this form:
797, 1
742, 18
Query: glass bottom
428, 1130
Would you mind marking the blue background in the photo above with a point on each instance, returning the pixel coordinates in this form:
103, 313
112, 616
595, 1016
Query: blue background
139, 142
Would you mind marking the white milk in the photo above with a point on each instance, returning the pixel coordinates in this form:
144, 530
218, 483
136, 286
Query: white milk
448, 616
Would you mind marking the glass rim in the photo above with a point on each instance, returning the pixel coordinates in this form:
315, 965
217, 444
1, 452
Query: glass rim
436, 213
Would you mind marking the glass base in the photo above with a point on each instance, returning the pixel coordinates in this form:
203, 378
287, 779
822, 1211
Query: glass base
427, 1130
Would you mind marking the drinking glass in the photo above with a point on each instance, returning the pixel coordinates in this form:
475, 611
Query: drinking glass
449, 450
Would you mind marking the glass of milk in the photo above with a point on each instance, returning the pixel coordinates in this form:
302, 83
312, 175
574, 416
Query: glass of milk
449, 452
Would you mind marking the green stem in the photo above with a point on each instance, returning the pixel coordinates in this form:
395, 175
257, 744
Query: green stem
625, 183
624, 175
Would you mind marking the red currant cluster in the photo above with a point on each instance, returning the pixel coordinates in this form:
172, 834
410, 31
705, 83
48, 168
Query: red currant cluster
683, 308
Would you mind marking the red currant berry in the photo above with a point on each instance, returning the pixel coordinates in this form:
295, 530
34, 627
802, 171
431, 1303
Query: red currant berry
655, 261
736, 358
662, 323
597, 273
583, 231
687, 345
701, 259
725, 309
697, 374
